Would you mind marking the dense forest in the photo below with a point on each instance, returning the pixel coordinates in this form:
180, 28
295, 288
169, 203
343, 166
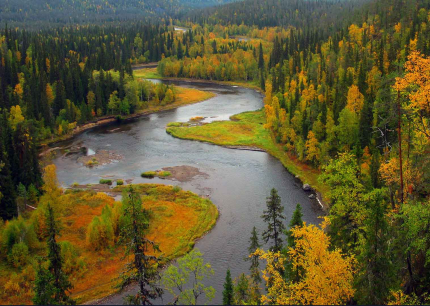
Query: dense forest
49, 13
346, 88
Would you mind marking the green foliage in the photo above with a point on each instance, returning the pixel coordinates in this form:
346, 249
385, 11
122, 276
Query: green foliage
100, 232
227, 294
185, 281
347, 211
105, 181
143, 268
18, 256
73, 264
119, 182
52, 284
273, 217
242, 290
149, 174
17, 231
255, 262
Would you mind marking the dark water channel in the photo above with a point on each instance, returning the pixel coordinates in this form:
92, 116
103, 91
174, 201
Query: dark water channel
238, 181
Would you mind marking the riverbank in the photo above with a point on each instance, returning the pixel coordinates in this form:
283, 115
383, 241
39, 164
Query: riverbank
179, 219
246, 131
184, 96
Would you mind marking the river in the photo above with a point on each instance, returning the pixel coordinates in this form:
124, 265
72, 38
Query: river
237, 181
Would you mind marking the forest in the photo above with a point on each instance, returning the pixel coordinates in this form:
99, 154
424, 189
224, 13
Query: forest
346, 89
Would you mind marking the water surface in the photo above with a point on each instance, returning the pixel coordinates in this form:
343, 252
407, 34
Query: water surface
238, 181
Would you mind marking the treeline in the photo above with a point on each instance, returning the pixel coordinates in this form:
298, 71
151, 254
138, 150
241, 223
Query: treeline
33, 14
324, 16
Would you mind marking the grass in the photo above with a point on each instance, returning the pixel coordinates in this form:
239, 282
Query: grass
119, 182
147, 73
179, 218
105, 181
247, 129
152, 174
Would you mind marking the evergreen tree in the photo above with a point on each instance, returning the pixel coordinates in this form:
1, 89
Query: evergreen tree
143, 268
296, 220
253, 246
8, 208
273, 216
52, 284
260, 58
227, 294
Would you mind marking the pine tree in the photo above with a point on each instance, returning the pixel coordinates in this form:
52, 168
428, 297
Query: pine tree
8, 208
273, 216
52, 284
253, 246
227, 294
296, 220
291, 273
143, 268
260, 58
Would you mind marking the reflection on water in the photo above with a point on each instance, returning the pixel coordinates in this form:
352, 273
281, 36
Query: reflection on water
238, 182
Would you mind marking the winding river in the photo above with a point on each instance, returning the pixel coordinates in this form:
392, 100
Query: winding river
237, 181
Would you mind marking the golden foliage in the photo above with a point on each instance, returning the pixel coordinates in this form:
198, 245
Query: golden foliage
355, 99
326, 276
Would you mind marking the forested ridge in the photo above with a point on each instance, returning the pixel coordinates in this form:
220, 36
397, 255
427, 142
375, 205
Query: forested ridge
346, 88
48, 13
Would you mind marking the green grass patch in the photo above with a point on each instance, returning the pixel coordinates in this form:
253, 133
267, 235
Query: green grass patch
149, 174
105, 181
119, 182
147, 73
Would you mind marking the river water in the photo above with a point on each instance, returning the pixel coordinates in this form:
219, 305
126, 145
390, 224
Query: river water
238, 181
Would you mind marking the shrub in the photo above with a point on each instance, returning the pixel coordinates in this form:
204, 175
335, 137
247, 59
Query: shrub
149, 174
75, 185
18, 256
176, 189
93, 162
100, 233
198, 118
72, 262
17, 231
105, 181
119, 182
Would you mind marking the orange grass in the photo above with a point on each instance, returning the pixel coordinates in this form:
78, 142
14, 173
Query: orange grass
179, 218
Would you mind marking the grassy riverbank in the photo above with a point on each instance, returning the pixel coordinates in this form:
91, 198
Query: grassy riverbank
179, 219
247, 130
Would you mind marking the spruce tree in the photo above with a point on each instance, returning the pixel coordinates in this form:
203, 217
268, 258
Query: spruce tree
143, 268
52, 284
8, 208
291, 273
260, 58
227, 294
273, 216
253, 246
296, 220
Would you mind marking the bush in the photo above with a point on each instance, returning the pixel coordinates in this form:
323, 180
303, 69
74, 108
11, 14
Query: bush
119, 182
176, 189
93, 162
149, 174
100, 232
104, 181
17, 231
72, 263
18, 256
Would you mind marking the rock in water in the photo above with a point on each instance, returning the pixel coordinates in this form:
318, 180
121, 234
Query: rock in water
307, 187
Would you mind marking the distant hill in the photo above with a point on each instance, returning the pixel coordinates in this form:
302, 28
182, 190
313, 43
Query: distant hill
40, 13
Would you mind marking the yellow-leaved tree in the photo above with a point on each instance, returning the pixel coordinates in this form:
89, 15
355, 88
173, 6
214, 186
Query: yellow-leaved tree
355, 99
416, 85
326, 276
